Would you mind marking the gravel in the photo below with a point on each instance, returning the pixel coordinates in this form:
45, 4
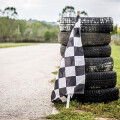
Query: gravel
25, 73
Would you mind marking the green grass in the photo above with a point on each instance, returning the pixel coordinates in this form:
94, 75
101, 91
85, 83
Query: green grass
6, 45
55, 72
116, 57
58, 66
71, 114
105, 110
53, 80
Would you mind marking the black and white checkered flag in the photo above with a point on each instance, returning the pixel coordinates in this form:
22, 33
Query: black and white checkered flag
71, 75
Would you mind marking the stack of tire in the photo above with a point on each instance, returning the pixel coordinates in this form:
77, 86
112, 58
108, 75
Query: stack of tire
100, 77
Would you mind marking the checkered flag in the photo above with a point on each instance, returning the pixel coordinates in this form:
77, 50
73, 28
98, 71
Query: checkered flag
71, 75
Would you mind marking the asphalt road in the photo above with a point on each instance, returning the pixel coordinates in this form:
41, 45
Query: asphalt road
25, 73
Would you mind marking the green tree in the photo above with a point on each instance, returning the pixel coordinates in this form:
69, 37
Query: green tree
21, 27
83, 13
7, 27
4, 33
10, 12
70, 10
115, 28
47, 35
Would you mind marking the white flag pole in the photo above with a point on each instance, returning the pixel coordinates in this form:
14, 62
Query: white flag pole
68, 101
70, 95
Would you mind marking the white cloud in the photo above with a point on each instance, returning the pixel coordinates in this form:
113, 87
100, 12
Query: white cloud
49, 9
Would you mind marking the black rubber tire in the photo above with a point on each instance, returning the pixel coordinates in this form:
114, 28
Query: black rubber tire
96, 28
102, 95
97, 51
98, 64
88, 28
92, 51
100, 80
88, 39
87, 20
62, 49
88, 24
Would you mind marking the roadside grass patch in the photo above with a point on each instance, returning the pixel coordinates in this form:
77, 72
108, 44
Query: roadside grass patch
58, 66
6, 45
87, 111
71, 114
105, 110
53, 80
55, 72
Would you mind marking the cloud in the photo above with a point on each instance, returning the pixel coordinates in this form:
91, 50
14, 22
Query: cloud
112, 0
49, 9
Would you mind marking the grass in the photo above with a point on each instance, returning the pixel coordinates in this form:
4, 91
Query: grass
71, 114
92, 110
53, 80
58, 66
116, 57
55, 72
6, 45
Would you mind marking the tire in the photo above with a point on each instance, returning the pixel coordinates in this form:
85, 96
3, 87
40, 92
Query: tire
97, 51
88, 28
92, 51
62, 49
102, 95
98, 64
63, 38
100, 80
88, 39
87, 20
88, 24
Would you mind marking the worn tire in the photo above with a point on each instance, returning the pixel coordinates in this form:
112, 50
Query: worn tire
62, 49
97, 51
100, 80
88, 39
88, 24
88, 28
87, 20
102, 95
92, 51
98, 64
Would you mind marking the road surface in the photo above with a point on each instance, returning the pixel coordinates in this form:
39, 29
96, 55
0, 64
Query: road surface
25, 73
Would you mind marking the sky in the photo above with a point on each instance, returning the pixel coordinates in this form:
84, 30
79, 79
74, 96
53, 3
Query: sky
49, 10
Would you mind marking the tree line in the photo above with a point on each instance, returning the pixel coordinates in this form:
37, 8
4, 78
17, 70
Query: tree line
21, 30
11, 28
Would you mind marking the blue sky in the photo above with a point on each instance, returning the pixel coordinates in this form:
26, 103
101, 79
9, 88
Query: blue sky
49, 9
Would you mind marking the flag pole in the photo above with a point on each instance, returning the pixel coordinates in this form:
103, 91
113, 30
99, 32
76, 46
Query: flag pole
68, 101
68, 96
78, 13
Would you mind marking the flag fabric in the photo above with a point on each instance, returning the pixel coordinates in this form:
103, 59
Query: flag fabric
71, 74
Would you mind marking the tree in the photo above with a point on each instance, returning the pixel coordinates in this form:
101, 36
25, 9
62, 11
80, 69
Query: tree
21, 27
83, 13
47, 35
115, 28
10, 12
70, 12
